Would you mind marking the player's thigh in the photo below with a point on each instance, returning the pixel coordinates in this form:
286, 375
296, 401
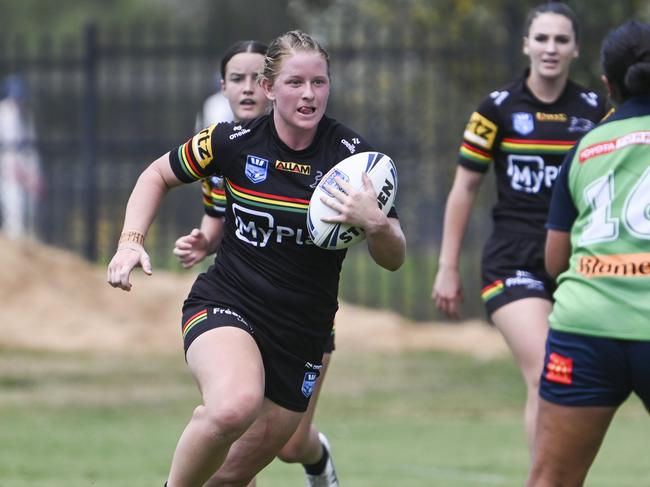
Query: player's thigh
524, 325
566, 443
227, 366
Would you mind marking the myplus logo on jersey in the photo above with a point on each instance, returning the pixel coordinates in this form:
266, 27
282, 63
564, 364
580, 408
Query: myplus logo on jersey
530, 173
259, 228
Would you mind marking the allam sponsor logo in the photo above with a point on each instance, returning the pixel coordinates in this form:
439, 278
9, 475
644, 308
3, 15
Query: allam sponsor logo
551, 117
293, 167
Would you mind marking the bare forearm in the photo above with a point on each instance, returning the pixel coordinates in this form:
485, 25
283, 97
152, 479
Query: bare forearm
387, 244
143, 203
457, 212
151, 186
141, 208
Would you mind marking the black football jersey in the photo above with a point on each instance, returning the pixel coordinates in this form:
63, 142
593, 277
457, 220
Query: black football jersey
266, 266
526, 140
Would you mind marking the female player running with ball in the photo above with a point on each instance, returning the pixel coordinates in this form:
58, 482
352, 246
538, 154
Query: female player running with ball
240, 66
256, 323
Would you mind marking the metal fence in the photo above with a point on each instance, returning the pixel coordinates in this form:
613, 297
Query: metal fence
111, 101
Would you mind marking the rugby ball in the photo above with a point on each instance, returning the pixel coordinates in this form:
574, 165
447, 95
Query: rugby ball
382, 173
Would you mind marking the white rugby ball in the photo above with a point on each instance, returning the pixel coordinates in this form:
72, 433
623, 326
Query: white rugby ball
383, 174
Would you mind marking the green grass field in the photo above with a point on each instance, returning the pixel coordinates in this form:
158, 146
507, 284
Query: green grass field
394, 420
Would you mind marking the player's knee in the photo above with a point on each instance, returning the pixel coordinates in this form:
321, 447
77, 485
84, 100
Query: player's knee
532, 384
228, 418
302, 444
292, 451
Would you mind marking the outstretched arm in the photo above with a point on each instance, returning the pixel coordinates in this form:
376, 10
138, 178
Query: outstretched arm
152, 185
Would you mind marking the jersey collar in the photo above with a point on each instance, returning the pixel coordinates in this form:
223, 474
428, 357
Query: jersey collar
637, 106
306, 151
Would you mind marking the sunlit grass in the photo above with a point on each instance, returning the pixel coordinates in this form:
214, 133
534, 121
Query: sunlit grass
408, 419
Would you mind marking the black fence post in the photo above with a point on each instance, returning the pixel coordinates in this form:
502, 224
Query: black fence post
90, 142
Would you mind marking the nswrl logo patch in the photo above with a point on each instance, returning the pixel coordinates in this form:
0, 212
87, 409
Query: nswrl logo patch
256, 168
308, 383
523, 123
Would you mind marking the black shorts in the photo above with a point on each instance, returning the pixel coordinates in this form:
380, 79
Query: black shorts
513, 268
290, 378
329, 344
583, 370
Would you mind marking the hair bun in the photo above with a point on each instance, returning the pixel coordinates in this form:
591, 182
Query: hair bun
637, 77
642, 56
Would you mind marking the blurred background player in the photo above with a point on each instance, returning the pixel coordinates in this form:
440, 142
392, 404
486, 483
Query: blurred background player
522, 130
599, 244
245, 100
20, 171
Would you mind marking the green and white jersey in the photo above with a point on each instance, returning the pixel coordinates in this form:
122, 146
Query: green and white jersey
603, 198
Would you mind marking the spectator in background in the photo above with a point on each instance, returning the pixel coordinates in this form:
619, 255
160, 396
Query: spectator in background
20, 175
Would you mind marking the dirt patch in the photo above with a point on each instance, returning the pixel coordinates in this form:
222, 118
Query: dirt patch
361, 329
53, 299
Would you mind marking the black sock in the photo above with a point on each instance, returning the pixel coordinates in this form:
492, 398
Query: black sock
318, 467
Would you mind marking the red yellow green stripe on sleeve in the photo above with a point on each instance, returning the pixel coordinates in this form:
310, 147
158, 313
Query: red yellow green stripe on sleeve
474, 154
218, 197
188, 164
